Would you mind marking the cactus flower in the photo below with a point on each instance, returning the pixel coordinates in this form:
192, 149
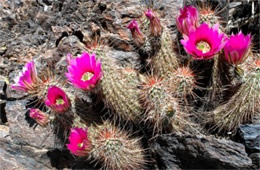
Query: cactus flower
27, 79
136, 33
40, 117
237, 48
204, 42
84, 72
187, 20
79, 143
57, 100
155, 25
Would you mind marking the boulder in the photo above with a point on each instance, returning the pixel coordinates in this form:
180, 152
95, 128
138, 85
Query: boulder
23, 130
197, 152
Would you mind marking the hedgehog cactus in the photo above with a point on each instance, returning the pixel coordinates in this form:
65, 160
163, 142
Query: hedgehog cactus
165, 60
115, 148
183, 82
209, 16
106, 144
241, 108
162, 110
119, 87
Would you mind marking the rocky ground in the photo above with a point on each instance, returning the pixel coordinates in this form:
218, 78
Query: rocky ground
47, 30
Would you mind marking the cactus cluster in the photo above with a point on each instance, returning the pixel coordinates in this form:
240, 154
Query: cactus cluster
153, 99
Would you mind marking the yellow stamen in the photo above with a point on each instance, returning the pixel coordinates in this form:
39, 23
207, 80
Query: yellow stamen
59, 101
87, 76
203, 46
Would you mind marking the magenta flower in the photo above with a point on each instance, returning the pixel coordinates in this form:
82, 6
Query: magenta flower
84, 72
155, 25
237, 48
136, 33
187, 20
204, 42
27, 79
79, 143
57, 100
40, 117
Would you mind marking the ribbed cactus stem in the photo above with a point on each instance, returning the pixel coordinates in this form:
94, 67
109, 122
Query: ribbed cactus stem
120, 88
182, 82
165, 60
114, 148
215, 88
209, 16
161, 108
241, 108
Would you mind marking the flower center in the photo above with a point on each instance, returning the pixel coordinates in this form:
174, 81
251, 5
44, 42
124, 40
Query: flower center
87, 76
59, 101
203, 46
80, 145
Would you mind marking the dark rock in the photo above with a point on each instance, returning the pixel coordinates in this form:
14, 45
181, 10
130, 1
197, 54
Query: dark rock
20, 130
256, 160
3, 118
250, 135
22, 157
197, 152
14, 156
2, 87
126, 59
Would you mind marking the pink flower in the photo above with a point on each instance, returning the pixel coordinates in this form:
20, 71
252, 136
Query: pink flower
237, 48
187, 20
57, 100
84, 72
79, 143
40, 117
136, 33
27, 79
204, 42
155, 25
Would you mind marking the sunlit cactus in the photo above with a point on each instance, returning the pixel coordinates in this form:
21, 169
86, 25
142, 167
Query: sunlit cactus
119, 87
183, 82
209, 16
115, 149
165, 60
162, 109
241, 107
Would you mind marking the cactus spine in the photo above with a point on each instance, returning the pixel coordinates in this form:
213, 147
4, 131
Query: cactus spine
114, 148
165, 60
241, 107
162, 110
182, 82
120, 88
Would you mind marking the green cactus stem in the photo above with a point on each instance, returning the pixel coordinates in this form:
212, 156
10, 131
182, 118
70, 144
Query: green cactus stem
120, 87
114, 148
165, 61
241, 107
162, 110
